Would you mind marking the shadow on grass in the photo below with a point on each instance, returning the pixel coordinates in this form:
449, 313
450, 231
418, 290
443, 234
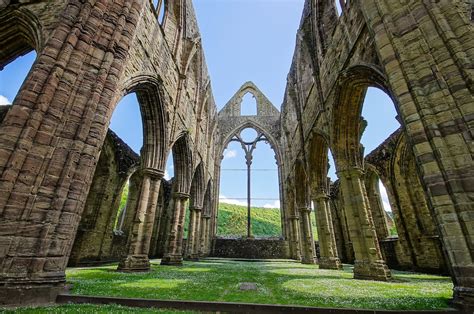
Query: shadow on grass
278, 284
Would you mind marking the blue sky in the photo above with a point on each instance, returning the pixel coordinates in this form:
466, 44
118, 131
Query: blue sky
244, 40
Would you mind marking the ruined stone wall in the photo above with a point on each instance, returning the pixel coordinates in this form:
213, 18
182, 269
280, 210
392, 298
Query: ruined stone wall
420, 54
251, 249
89, 55
95, 233
231, 122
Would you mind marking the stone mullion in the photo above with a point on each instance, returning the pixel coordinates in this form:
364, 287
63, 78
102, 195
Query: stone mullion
327, 240
307, 241
369, 263
174, 244
439, 133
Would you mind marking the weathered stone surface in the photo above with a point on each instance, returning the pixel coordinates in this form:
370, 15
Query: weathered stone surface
91, 53
251, 249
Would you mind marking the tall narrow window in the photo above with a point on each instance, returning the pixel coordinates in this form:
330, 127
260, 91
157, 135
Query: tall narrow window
339, 7
248, 106
392, 228
160, 8
379, 112
13, 75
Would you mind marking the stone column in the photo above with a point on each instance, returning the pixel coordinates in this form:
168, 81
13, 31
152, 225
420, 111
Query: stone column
327, 240
193, 233
369, 263
205, 229
174, 244
377, 210
142, 229
295, 238
308, 254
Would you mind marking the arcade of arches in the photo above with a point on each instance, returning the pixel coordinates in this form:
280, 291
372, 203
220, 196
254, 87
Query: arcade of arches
62, 173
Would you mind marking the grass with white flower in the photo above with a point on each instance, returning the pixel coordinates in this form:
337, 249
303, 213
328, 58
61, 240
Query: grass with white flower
89, 308
278, 282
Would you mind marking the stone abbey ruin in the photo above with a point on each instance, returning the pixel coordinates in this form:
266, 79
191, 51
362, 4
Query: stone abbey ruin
62, 172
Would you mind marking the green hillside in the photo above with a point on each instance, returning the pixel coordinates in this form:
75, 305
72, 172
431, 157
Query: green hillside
266, 222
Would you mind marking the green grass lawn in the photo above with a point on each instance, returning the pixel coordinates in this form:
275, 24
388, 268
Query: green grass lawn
266, 222
279, 282
89, 308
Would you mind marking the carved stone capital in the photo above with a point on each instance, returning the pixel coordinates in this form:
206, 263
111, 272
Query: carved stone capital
181, 195
351, 172
304, 209
196, 208
153, 173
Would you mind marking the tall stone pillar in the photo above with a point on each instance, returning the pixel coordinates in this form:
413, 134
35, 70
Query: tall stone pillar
205, 230
295, 250
192, 249
369, 263
174, 244
377, 210
327, 240
142, 229
308, 253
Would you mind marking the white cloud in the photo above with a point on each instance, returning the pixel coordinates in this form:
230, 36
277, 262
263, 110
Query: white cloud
167, 175
384, 196
226, 200
275, 204
230, 154
4, 101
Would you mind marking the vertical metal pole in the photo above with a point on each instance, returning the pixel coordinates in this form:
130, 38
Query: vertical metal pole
249, 226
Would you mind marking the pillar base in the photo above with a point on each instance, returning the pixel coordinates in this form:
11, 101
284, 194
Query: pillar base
26, 294
172, 260
308, 261
464, 299
330, 263
193, 257
366, 270
134, 264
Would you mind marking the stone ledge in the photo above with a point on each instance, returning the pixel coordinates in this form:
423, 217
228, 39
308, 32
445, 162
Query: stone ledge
227, 307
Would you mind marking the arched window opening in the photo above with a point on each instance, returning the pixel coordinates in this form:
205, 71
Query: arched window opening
160, 8
392, 227
126, 122
339, 7
169, 169
122, 210
248, 106
379, 119
13, 75
313, 222
331, 167
265, 215
248, 134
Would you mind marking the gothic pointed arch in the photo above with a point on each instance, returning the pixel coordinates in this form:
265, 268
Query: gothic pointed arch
151, 99
272, 140
198, 185
347, 128
20, 33
182, 161
302, 185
